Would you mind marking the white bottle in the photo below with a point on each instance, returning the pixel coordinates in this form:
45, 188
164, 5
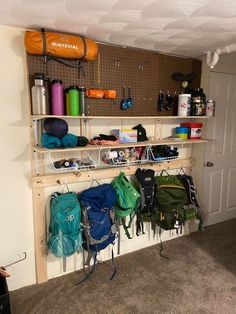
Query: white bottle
39, 93
184, 105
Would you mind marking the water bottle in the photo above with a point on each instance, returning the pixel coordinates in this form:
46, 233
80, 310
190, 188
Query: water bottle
67, 101
82, 102
39, 94
57, 96
74, 100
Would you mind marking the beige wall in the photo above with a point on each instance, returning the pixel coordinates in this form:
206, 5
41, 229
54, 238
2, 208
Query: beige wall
16, 228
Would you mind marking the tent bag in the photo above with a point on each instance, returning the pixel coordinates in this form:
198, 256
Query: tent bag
60, 45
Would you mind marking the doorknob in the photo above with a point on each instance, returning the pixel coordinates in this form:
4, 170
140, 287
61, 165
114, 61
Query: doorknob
209, 164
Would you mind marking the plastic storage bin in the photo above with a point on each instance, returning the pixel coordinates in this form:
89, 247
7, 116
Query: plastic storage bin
4, 297
194, 130
182, 132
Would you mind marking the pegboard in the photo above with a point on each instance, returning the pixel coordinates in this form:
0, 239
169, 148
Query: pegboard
146, 72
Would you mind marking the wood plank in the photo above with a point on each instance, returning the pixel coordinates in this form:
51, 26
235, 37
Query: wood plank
40, 234
108, 173
43, 150
38, 117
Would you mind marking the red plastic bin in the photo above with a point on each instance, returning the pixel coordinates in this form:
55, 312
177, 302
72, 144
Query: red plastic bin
195, 130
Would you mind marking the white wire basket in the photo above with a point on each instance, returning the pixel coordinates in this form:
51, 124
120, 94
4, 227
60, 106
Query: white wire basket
157, 159
73, 161
125, 157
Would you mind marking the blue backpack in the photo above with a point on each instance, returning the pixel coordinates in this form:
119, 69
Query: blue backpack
65, 236
98, 219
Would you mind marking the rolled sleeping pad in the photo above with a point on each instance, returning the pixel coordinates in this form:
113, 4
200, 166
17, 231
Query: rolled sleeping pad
56, 127
69, 140
50, 141
60, 45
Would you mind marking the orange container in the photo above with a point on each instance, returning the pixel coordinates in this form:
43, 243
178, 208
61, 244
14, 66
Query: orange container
110, 94
94, 93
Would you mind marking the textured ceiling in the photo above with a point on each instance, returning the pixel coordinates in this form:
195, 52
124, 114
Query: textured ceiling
182, 27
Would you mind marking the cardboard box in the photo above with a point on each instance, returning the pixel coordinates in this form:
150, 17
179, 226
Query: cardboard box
125, 135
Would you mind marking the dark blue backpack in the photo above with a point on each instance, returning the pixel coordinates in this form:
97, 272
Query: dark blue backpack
98, 218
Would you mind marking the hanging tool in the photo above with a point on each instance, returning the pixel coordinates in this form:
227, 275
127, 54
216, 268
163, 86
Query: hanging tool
3, 271
161, 102
123, 105
129, 100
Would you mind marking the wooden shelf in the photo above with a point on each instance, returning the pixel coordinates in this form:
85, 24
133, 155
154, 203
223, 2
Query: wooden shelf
39, 117
43, 150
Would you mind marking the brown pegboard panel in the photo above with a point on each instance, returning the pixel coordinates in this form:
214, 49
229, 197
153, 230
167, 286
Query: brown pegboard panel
144, 71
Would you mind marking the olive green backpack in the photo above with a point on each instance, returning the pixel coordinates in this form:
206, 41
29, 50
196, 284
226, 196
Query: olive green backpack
128, 200
171, 196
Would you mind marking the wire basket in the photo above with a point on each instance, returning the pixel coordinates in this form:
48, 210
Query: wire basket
126, 157
74, 161
160, 157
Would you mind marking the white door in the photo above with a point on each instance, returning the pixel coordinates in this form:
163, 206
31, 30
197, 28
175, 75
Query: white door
219, 180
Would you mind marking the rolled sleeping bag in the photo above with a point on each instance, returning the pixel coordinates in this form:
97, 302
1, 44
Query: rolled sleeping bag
69, 140
60, 45
56, 127
50, 141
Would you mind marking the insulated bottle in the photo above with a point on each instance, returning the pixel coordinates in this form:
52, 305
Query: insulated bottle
74, 100
82, 102
39, 93
57, 95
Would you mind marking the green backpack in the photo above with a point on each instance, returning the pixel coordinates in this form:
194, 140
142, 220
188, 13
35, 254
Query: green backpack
127, 202
171, 196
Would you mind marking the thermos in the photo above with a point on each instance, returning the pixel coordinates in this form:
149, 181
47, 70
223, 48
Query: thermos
74, 100
39, 94
184, 105
57, 96
82, 102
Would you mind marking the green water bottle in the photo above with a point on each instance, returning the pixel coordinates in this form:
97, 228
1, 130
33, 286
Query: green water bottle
74, 100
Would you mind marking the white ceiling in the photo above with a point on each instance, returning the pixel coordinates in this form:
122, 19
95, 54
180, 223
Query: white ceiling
182, 27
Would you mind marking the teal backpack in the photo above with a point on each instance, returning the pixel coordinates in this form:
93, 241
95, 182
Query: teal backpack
127, 202
171, 196
65, 235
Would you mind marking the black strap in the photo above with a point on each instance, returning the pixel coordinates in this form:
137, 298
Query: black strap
162, 247
85, 47
44, 52
113, 262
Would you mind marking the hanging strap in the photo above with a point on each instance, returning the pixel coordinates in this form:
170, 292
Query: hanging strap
113, 262
162, 247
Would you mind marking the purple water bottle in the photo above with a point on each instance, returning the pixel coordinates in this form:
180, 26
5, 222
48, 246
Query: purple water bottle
57, 96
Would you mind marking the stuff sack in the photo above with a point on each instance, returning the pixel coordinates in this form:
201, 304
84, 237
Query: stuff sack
127, 201
65, 236
60, 45
171, 197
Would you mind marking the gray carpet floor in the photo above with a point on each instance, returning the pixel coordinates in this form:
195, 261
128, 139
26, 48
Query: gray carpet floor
199, 277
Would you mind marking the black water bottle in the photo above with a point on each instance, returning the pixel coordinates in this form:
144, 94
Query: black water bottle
82, 101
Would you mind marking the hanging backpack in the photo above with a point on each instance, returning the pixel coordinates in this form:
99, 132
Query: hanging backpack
192, 208
127, 201
147, 208
65, 236
170, 197
98, 219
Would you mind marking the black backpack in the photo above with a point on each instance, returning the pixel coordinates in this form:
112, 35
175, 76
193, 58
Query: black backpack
147, 186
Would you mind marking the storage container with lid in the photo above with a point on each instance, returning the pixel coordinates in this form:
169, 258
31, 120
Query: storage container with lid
194, 130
